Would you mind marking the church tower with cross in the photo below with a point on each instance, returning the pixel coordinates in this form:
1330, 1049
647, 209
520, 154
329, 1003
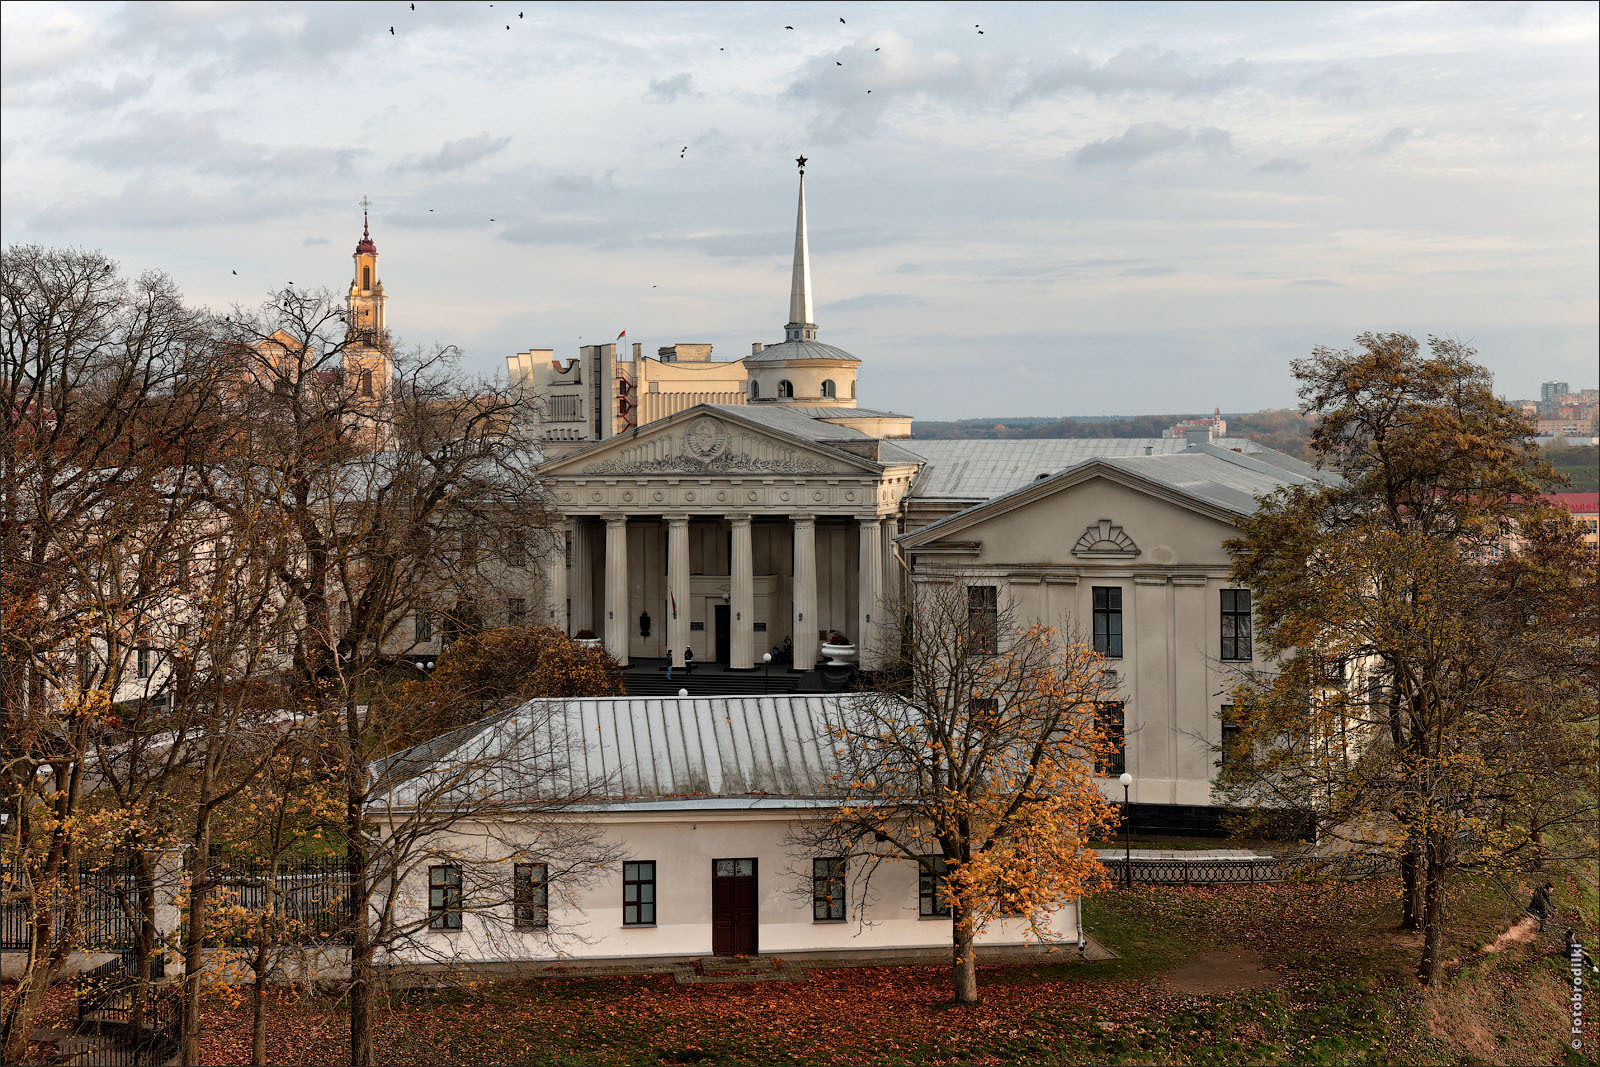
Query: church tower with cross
368, 367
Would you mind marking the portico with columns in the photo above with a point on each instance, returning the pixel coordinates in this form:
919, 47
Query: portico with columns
718, 532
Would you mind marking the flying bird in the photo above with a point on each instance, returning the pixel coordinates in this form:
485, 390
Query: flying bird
236, 272
391, 31
841, 20
788, 27
413, 7
837, 63
430, 211
874, 49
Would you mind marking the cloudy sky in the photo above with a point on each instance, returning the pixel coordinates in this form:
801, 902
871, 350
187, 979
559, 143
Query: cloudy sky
1083, 209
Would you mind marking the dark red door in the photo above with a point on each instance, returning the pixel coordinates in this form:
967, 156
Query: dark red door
734, 902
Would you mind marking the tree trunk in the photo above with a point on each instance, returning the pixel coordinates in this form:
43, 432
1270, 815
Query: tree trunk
266, 939
1430, 971
194, 945
1411, 898
360, 928
963, 956
48, 952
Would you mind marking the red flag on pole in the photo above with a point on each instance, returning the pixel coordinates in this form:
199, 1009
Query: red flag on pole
621, 335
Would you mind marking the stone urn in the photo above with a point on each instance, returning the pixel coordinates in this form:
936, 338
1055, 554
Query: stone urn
840, 654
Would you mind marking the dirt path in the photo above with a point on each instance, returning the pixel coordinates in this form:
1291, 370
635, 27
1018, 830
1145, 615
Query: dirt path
1227, 970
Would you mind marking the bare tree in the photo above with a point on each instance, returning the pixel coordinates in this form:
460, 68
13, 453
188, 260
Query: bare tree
400, 500
974, 760
105, 384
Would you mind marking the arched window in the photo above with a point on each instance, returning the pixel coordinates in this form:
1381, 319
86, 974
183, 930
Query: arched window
785, 390
366, 277
852, 390
366, 383
828, 389
755, 391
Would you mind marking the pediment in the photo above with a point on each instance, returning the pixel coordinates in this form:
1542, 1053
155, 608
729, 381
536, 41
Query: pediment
703, 442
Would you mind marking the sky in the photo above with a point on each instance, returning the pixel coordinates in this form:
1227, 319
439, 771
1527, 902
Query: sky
1082, 209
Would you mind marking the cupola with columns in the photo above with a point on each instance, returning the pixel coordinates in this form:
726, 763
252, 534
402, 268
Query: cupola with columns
802, 371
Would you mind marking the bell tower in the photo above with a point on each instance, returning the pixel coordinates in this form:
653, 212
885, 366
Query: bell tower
368, 371
366, 297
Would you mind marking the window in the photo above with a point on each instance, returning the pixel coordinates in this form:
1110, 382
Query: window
366, 383
181, 570
1108, 621
141, 656
828, 388
517, 611
517, 550
424, 623
1236, 624
183, 634
530, 896
366, 277
931, 876
852, 390
985, 709
785, 389
639, 893
983, 618
755, 391
444, 897
1230, 736
827, 890
1109, 720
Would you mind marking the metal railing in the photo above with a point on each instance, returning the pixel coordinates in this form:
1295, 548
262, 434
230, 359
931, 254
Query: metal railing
105, 1031
1209, 871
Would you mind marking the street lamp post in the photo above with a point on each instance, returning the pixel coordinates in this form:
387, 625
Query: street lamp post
766, 677
1127, 833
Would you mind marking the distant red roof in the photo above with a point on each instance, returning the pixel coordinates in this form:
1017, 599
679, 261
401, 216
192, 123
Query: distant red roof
1577, 503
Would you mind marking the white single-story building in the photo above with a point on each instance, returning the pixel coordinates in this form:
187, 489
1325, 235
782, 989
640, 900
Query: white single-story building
694, 846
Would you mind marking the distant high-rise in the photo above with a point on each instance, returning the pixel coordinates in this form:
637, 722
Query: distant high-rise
1553, 391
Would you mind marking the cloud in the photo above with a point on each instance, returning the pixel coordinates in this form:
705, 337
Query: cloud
454, 155
1391, 140
875, 302
1284, 165
1140, 69
669, 89
1139, 141
193, 142
94, 96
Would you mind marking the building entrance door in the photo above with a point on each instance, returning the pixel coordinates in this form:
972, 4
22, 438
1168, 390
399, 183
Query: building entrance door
733, 908
721, 633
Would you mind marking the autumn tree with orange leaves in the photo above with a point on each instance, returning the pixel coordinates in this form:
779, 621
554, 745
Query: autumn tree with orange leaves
1433, 625
972, 759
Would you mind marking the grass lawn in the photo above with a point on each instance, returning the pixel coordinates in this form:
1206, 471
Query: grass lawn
1332, 985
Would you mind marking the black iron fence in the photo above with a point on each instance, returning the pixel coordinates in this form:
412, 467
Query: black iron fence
1209, 871
105, 1032
310, 899
108, 903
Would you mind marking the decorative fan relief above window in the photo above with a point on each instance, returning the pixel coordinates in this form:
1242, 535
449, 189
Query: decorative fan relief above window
1104, 538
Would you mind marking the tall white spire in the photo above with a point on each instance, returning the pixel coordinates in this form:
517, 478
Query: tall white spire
800, 327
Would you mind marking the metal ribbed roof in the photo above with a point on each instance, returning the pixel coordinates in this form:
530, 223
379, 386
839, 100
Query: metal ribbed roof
658, 751
800, 350
978, 469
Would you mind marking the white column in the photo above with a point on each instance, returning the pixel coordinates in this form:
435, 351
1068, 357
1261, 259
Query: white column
581, 582
617, 587
741, 574
869, 592
678, 605
805, 592
894, 586
555, 578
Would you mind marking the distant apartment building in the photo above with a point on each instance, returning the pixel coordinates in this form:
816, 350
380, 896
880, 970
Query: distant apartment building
1585, 507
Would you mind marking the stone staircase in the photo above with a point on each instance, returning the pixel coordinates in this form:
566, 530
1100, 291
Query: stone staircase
734, 970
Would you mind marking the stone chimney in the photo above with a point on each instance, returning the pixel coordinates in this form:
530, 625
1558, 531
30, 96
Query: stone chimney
755, 348
638, 348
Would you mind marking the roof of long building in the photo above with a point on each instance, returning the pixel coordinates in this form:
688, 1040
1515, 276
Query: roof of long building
627, 752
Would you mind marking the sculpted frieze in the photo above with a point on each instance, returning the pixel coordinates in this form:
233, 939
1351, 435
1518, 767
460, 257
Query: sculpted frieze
705, 446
